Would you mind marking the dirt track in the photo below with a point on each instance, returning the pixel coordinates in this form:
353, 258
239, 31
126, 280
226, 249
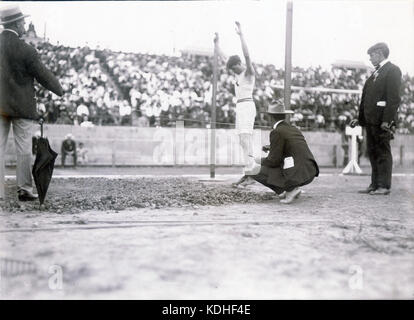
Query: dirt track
332, 243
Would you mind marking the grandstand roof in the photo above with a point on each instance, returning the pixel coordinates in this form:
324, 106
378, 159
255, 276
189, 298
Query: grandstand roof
198, 51
349, 64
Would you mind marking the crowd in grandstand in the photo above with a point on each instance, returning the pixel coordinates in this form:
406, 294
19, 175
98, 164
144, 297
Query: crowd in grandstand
91, 98
112, 88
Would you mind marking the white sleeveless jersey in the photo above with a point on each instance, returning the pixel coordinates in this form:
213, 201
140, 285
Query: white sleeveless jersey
244, 86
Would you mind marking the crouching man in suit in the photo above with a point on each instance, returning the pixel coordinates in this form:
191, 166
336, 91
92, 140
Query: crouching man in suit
289, 164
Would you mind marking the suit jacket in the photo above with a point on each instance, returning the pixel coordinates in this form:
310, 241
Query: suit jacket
68, 146
19, 65
287, 141
385, 88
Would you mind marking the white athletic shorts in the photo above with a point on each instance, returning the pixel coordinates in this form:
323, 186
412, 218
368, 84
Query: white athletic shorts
245, 115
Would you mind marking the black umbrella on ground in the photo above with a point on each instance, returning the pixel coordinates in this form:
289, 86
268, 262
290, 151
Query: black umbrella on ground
43, 165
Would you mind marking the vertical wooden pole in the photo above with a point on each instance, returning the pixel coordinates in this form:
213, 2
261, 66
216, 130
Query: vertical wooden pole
288, 55
213, 112
179, 145
113, 162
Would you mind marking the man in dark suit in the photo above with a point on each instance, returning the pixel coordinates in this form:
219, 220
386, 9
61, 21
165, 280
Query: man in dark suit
19, 66
378, 114
289, 164
69, 149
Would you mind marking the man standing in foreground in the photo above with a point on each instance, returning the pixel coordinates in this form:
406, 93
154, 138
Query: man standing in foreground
378, 114
289, 164
19, 66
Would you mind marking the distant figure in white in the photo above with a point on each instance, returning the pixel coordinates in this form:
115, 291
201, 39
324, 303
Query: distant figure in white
245, 107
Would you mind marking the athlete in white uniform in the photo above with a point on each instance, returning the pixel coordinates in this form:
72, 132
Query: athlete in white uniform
245, 107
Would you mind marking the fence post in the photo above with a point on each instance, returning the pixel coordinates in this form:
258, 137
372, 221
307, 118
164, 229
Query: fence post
113, 153
207, 146
401, 155
179, 143
335, 157
228, 148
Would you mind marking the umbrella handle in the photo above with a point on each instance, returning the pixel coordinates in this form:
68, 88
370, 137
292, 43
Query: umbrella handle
41, 127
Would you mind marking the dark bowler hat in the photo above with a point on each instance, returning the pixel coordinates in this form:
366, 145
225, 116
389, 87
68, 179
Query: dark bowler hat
11, 14
278, 107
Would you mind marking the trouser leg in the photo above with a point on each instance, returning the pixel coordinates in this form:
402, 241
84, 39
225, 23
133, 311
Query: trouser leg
262, 178
23, 132
384, 163
359, 152
346, 154
4, 134
372, 155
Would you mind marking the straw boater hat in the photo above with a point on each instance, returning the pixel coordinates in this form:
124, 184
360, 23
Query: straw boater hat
11, 14
277, 107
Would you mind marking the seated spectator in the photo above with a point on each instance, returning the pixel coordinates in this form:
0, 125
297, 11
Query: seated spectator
69, 149
86, 123
82, 154
64, 118
81, 111
142, 120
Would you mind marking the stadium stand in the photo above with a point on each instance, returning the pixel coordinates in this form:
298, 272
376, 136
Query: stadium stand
117, 88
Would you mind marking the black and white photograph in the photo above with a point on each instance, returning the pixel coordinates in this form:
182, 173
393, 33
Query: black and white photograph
207, 150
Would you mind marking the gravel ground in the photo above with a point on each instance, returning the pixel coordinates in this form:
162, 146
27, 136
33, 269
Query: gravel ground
77, 195
174, 238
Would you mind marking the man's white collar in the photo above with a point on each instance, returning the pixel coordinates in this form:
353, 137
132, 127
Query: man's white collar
12, 31
276, 124
383, 62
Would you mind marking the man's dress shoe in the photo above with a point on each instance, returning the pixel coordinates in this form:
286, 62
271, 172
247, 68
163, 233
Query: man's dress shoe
26, 196
290, 196
367, 190
380, 192
282, 195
